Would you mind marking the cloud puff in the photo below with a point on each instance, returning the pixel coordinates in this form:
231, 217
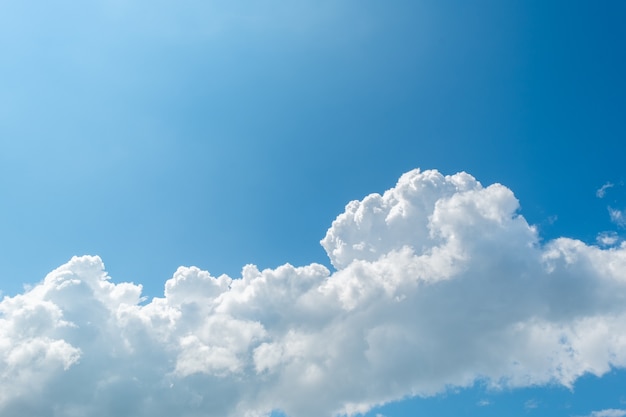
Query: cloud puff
440, 282
607, 238
618, 216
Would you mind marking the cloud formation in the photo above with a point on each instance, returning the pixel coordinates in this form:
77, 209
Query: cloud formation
611, 412
618, 216
607, 238
440, 282
601, 192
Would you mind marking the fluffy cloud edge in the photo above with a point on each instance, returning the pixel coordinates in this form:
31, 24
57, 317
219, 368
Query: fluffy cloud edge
440, 282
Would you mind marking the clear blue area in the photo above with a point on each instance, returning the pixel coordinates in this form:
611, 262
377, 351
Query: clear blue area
158, 134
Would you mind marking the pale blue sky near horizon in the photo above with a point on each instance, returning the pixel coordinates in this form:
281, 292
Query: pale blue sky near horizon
219, 134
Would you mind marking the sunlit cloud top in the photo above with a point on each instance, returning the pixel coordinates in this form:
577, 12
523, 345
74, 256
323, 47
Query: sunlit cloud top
440, 282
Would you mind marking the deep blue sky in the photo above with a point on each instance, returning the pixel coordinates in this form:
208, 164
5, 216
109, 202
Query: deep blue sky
159, 134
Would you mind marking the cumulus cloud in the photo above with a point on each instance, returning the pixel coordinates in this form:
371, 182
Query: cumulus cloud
440, 283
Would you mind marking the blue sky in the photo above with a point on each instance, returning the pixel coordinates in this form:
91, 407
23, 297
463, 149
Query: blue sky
220, 134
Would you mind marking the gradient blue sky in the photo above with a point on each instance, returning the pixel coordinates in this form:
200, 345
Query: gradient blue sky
216, 134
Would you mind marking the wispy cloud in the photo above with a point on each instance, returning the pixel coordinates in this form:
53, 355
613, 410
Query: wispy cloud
483, 403
439, 282
618, 216
601, 192
607, 238
531, 404
611, 412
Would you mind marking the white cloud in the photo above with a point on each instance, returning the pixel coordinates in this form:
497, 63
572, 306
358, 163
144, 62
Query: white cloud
611, 412
618, 216
440, 283
483, 403
601, 192
607, 238
531, 404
